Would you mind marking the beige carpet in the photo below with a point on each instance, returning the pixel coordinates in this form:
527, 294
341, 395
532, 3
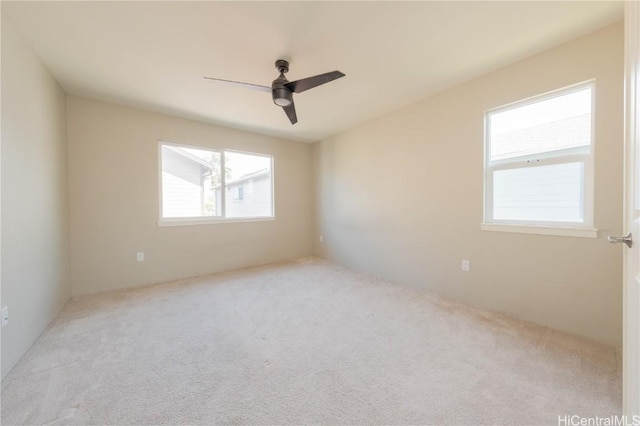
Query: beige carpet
302, 342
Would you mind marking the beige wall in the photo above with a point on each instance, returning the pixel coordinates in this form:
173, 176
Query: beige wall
402, 197
34, 235
113, 178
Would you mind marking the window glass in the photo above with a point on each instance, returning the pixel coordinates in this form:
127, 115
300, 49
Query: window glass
547, 193
550, 125
189, 179
248, 171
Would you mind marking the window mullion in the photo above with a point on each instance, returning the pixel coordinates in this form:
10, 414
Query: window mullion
223, 186
542, 162
570, 152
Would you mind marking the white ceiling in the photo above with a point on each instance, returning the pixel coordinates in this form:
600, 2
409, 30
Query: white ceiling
154, 55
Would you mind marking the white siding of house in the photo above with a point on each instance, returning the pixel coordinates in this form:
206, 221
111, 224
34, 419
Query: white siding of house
256, 201
181, 186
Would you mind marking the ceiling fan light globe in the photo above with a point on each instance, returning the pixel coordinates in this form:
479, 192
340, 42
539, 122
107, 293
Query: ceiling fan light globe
283, 102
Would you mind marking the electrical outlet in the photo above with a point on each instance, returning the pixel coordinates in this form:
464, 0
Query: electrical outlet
5, 316
140, 256
465, 265
321, 239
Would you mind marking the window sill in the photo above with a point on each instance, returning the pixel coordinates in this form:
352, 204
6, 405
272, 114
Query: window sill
541, 230
201, 221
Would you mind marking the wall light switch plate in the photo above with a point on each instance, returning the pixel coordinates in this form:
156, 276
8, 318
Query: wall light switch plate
465, 265
5, 316
140, 256
321, 239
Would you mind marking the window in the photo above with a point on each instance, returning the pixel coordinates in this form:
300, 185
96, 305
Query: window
239, 194
201, 184
539, 163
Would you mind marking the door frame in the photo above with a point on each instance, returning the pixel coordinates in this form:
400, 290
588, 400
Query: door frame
631, 298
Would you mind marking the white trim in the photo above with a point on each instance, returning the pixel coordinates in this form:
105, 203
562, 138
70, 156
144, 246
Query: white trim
223, 186
186, 221
541, 161
631, 288
557, 156
159, 151
541, 230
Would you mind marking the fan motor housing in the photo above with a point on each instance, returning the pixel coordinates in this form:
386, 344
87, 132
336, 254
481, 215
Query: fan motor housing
281, 95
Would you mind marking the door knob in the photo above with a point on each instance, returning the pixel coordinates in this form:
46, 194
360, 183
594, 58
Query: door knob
626, 239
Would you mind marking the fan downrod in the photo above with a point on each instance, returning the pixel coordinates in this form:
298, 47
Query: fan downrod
282, 66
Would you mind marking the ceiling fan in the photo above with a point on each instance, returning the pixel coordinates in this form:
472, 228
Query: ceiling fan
282, 89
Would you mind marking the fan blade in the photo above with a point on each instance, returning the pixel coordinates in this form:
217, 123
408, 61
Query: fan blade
299, 86
239, 83
290, 110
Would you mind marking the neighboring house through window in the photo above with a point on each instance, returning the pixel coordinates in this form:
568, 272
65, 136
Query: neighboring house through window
250, 193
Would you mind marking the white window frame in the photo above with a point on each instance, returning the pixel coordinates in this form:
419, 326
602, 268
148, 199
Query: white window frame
205, 220
584, 155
